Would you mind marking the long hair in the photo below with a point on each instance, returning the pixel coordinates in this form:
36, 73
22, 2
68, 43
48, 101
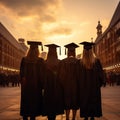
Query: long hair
88, 58
52, 57
33, 53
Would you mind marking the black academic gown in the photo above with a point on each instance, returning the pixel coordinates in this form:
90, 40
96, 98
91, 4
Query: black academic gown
68, 74
90, 82
31, 86
53, 94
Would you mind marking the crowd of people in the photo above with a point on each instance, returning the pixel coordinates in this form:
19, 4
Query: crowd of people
52, 87
112, 78
9, 80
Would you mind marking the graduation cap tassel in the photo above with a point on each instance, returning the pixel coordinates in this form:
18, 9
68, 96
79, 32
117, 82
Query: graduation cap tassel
65, 51
42, 47
60, 50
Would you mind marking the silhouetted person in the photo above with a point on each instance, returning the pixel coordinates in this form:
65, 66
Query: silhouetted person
53, 95
112, 78
31, 73
105, 78
90, 82
68, 73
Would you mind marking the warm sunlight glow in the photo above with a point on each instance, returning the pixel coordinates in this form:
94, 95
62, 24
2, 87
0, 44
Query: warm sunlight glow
56, 21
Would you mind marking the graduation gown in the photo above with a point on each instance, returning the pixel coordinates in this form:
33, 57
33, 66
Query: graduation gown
53, 93
68, 74
32, 74
90, 82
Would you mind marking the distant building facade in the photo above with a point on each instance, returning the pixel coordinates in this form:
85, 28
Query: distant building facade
107, 46
11, 51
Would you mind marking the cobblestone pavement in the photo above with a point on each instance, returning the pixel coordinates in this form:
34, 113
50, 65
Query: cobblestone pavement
10, 104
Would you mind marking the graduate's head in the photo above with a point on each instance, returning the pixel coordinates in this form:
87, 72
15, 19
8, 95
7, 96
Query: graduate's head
52, 50
88, 56
71, 49
87, 45
33, 50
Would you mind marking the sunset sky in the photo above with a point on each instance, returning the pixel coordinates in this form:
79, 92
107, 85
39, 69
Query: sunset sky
56, 21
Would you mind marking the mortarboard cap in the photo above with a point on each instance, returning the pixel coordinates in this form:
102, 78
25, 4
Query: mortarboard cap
53, 47
34, 44
71, 47
87, 45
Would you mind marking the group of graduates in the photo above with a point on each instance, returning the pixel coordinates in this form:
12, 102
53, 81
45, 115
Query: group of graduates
53, 87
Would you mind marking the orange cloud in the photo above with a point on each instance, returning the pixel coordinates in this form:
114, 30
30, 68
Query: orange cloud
61, 30
27, 7
28, 16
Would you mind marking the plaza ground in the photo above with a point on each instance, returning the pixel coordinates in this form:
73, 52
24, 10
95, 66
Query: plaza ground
10, 104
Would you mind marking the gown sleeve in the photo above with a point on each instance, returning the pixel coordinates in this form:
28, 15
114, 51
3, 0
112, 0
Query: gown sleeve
100, 72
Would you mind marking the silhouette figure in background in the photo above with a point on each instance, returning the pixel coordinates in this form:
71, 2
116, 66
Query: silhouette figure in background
68, 74
90, 82
53, 95
32, 73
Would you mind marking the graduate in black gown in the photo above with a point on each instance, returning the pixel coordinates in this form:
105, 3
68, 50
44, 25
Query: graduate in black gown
90, 81
53, 92
32, 72
68, 74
